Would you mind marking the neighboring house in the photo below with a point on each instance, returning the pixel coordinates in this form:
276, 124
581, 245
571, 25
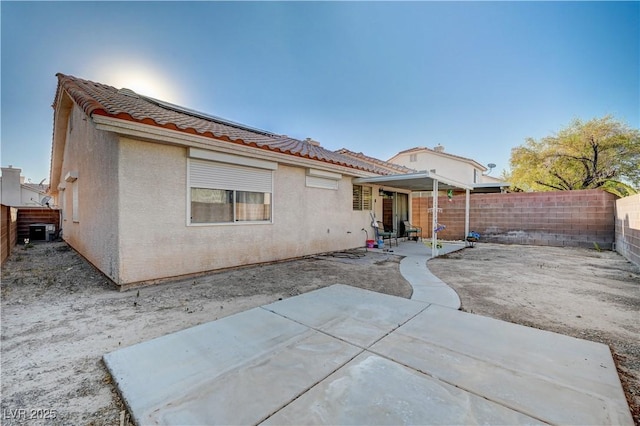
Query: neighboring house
459, 168
391, 168
150, 190
16, 193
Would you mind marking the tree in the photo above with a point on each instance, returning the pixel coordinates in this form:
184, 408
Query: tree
600, 153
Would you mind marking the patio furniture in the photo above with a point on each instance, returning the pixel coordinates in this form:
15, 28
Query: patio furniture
382, 233
472, 239
410, 229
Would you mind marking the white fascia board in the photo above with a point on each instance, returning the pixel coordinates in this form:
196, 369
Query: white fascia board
173, 137
389, 180
491, 185
231, 159
450, 182
323, 174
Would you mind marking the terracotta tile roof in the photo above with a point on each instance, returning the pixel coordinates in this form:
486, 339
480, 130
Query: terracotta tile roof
391, 167
100, 99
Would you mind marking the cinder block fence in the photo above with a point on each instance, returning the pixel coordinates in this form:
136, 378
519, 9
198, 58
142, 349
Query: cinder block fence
562, 218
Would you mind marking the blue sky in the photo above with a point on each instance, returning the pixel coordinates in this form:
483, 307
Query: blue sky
377, 77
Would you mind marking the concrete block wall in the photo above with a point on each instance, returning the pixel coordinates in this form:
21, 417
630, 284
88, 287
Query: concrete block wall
9, 237
29, 216
560, 218
628, 228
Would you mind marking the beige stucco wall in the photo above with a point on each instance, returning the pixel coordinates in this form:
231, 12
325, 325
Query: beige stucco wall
93, 154
156, 242
132, 206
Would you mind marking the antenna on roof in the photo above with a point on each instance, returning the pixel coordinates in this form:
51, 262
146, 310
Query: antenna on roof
491, 166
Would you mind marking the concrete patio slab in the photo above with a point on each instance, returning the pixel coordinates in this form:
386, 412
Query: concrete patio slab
535, 372
236, 370
348, 313
341, 355
371, 390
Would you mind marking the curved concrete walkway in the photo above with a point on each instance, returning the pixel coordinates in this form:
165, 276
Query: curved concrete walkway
342, 354
426, 286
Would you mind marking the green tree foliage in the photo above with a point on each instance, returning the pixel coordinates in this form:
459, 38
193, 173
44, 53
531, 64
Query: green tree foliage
600, 153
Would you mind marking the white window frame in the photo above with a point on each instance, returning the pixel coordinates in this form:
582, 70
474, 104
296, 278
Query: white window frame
236, 165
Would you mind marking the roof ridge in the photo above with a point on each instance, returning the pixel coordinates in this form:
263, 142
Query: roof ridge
420, 148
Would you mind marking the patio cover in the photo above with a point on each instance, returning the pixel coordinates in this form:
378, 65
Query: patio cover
424, 181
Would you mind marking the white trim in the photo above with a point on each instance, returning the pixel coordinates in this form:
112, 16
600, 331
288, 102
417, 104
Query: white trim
231, 159
413, 181
71, 176
323, 174
321, 182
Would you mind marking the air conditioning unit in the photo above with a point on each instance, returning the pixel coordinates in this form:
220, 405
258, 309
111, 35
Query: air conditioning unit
42, 232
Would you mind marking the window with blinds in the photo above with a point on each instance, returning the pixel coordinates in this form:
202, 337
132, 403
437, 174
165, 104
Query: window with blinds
362, 197
229, 193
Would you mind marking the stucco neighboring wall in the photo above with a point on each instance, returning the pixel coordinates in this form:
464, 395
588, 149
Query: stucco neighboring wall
458, 170
93, 155
628, 228
15, 193
156, 242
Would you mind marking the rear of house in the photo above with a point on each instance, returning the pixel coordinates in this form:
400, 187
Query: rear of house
150, 190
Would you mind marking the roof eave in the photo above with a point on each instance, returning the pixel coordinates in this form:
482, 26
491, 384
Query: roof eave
163, 135
62, 108
421, 181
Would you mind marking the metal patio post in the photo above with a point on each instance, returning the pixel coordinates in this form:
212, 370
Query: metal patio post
434, 234
466, 215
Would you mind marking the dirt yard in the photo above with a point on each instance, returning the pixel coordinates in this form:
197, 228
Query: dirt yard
60, 315
578, 292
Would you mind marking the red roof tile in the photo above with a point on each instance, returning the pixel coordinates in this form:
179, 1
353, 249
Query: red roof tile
101, 99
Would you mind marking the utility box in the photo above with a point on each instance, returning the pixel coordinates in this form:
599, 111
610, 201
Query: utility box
42, 232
